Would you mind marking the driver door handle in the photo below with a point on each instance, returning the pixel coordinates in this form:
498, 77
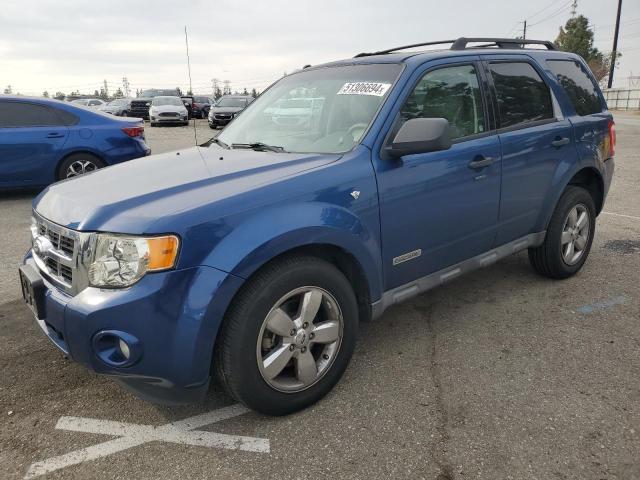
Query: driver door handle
480, 162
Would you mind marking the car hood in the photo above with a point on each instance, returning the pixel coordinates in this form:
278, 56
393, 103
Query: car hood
169, 108
155, 194
226, 109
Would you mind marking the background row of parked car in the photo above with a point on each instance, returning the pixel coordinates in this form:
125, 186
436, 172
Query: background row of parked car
164, 106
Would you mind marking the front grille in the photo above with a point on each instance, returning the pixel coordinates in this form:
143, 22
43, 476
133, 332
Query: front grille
55, 249
169, 114
222, 116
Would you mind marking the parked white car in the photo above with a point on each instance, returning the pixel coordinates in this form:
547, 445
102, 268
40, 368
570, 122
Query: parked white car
89, 102
168, 110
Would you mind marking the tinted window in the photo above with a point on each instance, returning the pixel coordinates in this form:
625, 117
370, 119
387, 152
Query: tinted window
452, 93
578, 85
20, 114
522, 95
65, 117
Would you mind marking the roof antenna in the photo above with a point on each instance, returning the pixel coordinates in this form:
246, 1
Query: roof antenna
186, 40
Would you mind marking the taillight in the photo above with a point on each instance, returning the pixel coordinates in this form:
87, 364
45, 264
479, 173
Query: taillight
134, 131
612, 138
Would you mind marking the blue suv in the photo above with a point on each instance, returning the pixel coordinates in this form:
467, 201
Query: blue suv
44, 140
253, 257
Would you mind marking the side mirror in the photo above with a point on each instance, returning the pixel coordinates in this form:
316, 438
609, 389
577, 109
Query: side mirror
420, 135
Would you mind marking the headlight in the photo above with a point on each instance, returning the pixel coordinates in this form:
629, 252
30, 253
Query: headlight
120, 261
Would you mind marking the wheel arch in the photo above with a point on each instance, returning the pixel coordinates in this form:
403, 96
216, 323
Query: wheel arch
587, 177
74, 152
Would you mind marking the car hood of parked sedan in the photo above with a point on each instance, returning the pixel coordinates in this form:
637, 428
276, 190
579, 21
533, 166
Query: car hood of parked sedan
149, 194
169, 108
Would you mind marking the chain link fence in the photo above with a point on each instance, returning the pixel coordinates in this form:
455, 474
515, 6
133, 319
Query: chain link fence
622, 98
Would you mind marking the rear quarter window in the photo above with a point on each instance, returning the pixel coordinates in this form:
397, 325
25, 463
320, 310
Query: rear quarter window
578, 84
522, 95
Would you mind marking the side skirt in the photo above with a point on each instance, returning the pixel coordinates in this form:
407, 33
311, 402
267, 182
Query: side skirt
420, 285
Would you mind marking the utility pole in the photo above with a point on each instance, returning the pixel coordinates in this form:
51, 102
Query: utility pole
574, 8
524, 31
615, 46
126, 86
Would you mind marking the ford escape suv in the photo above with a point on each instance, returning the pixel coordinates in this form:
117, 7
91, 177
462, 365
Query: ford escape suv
253, 257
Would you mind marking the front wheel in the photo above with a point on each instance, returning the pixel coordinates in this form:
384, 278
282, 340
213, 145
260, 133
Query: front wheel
569, 236
288, 336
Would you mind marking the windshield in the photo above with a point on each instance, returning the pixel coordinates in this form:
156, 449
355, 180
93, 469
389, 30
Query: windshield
119, 102
201, 99
327, 110
231, 102
157, 101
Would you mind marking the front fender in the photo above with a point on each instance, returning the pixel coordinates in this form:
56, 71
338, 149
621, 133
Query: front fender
267, 234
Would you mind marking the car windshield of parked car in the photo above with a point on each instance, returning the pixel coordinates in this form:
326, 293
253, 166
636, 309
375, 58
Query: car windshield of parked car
327, 110
231, 102
118, 102
158, 101
201, 99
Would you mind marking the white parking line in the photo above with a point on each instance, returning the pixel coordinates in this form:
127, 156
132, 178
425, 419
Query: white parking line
621, 215
131, 435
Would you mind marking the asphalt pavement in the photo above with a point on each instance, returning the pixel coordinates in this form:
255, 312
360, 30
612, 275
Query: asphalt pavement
501, 374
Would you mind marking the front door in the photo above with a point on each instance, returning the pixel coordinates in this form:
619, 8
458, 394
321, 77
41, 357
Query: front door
440, 208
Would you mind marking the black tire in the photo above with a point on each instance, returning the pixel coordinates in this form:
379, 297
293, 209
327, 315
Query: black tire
90, 162
547, 259
213, 126
153, 124
235, 358
125, 113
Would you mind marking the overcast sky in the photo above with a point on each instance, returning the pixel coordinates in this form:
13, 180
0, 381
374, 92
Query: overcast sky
67, 45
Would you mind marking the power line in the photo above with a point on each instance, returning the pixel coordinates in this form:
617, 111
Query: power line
554, 14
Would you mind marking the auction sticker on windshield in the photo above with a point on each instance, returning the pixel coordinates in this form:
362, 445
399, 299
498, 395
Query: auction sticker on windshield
364, 88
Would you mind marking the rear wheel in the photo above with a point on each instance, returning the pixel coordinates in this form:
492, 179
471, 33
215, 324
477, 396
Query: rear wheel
79, 164
569, 236
288, 336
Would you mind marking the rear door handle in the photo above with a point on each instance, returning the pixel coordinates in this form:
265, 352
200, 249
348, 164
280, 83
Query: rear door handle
55, 135
559, 142
480, 162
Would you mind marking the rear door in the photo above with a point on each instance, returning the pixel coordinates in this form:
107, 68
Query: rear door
31, 138
591, 120
535, 141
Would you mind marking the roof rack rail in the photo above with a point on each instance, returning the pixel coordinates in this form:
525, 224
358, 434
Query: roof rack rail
461, 44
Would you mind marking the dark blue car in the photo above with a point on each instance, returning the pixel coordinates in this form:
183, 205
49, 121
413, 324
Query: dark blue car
253, 257
43, 141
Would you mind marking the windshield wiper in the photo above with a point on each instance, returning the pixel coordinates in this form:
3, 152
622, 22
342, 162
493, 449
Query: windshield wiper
258, 146
215, 140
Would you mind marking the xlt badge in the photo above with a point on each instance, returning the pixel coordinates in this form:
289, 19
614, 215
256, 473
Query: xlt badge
407, 256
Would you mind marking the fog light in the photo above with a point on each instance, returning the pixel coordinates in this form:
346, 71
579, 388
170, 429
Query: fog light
116, 348
124, 349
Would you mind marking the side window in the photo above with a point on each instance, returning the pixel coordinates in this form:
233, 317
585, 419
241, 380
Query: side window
578, 84
522, 95
21, 114
65, 117
452, 93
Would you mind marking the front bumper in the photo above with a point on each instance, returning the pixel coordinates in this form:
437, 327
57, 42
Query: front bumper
174, 316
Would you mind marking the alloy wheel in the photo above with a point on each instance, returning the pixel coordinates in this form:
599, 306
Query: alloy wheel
80, 167
575, 234
299, 339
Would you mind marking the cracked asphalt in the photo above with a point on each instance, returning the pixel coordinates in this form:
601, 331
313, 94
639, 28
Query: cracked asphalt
501, 374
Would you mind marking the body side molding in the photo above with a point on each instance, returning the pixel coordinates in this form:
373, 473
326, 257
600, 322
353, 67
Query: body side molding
420, 285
